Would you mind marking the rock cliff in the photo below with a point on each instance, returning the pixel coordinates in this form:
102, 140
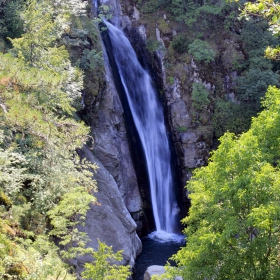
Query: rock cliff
190, 88
109, 220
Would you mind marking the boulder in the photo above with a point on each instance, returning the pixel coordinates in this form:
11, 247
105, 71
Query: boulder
156, 270
109, 220
153, 270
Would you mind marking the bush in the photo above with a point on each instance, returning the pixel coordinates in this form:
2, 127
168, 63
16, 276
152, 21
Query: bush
201, 51
104, 265
252, 86
199, 96
180, 44
232, 117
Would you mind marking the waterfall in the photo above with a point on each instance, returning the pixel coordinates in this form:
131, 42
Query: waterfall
148, 117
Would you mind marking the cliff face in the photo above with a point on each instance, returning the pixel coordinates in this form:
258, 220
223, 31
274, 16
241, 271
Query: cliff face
104, 113
192, 142
195, 68
109, 220
111, 146
103, 110
118, 216
179, 75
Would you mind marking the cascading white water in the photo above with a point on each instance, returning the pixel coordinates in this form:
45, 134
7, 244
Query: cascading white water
149, 121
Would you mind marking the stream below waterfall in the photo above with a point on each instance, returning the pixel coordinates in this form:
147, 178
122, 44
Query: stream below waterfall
154, 253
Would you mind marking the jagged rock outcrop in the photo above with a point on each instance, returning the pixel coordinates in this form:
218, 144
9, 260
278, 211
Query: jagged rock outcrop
193, 143
109, 220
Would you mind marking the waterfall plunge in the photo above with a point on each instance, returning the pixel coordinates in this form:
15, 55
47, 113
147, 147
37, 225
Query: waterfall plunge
149, 121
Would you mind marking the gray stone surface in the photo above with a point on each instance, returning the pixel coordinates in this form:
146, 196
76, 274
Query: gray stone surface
111, 146
109, 221
153, 270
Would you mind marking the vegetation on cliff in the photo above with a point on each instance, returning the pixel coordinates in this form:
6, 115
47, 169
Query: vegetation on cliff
226, 52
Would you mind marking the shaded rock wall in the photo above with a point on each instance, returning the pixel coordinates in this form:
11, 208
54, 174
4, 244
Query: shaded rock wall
110, 143
109, 220
104, 113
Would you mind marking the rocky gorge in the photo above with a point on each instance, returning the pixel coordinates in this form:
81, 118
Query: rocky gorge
127, 126
192, 123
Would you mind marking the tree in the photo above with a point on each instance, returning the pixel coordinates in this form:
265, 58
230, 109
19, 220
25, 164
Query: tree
201, 51
45, 189
271, 11
39, 46
232, 117
199, 96
104, 265
233, 227
11, 24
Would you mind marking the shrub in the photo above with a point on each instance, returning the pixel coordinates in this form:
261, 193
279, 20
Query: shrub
201, 51
179, 44
199, 96
232, 117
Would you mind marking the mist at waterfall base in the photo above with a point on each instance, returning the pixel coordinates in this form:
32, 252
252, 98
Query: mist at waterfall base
148, 118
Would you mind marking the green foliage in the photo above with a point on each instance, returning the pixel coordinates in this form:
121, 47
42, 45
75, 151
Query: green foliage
44, 186
268, 9
201, 51
104, 265
150, 6
11, 24
233, 224
179, 44
92, 60
170, 80
104, 12
154, 45
39, 46
255, 36
253, 83
185, 11
199, 96
27, 259
197, 12
252, 86
181, 129
66, 216
41, 86
232, 117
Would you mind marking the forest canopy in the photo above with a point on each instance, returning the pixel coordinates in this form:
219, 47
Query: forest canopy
40, 172
233, 225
